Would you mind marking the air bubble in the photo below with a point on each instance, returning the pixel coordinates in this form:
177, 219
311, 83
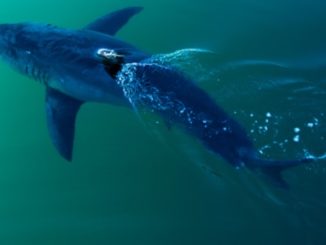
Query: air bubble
296, 138
297, 130
310, 125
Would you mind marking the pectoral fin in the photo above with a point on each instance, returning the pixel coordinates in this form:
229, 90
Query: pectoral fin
61, 111
111, 23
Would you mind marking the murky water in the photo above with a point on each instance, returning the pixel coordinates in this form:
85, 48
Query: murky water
135, 179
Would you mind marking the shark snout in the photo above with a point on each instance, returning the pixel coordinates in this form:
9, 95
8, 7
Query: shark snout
6, 36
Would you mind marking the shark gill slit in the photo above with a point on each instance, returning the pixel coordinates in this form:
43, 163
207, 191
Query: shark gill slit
36, 73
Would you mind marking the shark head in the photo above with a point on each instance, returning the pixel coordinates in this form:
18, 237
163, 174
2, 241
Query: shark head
42, 51
8, 41
20, 47
7, 34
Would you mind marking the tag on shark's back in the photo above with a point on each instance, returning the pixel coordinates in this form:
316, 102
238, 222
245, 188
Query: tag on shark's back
111, 59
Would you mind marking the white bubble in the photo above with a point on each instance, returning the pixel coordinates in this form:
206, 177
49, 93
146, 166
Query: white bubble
296, 138
268, 114
297, 130
310, 125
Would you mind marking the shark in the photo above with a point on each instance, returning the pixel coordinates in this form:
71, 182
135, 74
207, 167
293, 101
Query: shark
92, 65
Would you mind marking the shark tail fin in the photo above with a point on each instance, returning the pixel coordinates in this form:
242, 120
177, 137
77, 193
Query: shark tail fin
273, 169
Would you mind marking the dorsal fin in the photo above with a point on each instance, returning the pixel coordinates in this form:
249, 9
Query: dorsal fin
61, 111
111, 23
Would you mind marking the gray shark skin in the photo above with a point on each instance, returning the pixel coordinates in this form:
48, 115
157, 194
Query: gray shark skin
69, 63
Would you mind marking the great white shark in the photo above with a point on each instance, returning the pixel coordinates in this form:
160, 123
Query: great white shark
92, 65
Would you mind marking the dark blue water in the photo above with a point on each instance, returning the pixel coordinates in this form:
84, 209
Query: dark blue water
133, 180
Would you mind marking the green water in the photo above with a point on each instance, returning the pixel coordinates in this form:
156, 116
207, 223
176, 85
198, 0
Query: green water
134, 184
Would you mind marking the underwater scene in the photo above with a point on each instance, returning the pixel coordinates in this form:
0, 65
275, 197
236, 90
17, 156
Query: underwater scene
163, 122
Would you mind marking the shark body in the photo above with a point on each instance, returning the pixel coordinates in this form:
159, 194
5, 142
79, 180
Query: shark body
78, 66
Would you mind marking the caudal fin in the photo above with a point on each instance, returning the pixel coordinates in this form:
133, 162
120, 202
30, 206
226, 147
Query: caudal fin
273, 169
